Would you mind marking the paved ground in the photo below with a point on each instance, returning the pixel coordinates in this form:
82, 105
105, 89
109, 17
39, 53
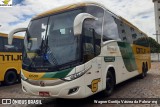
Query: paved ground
133, 88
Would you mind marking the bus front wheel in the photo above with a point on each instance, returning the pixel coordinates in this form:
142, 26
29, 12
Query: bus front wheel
110, 83
10, 77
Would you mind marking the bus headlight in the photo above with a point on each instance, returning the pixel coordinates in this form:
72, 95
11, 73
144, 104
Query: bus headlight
23, 77
76, 75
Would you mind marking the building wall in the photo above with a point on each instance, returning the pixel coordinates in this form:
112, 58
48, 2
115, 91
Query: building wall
157, 17
155, 56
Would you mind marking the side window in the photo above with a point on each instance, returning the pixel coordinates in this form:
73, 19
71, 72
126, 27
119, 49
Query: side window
99, 13
5, 41
1, 43
129, 35
92, 31
140, 39
121, 30
18, 45
126, 33
110, 30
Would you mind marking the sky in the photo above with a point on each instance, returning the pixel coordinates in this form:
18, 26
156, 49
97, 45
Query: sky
138, 12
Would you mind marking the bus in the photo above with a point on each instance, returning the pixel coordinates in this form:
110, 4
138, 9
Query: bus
80, 49
10, 59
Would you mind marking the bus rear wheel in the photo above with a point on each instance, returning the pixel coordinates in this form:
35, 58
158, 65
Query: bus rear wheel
110, 83
144, 73
10, 77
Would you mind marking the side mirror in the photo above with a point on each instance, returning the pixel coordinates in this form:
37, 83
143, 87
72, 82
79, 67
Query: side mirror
10, 35
78, 22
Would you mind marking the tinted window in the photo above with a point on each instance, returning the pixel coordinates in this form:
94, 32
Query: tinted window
92, 31
1, 43
121, 30
131, 35
61, 39
17, 43
110, 28
99, 13
140, 39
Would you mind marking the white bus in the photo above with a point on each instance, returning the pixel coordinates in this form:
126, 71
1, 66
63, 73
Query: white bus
81, 49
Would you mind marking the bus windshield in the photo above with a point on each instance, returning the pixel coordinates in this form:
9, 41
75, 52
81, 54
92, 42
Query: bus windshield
50, 42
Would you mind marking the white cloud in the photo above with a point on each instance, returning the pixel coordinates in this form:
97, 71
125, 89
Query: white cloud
138, 12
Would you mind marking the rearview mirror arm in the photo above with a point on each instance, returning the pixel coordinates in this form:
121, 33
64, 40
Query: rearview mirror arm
78, 22
10, 35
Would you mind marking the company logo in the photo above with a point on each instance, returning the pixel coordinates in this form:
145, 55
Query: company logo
42, 83
5, 3
94, 85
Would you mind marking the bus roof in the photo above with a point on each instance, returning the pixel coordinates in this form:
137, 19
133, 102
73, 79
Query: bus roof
66, 7
81, 4
6, 35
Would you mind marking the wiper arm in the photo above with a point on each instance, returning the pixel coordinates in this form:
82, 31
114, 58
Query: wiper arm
51, 56
48, 53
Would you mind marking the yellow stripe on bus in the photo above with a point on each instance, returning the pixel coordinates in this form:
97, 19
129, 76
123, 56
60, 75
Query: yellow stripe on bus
35, 76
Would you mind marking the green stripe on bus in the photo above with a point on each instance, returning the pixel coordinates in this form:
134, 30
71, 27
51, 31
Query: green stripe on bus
128, 56
57, 74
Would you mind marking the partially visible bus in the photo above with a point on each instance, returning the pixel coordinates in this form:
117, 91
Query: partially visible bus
10, 59
78, 50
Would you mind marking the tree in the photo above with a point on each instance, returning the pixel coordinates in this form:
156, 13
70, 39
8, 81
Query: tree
154, 45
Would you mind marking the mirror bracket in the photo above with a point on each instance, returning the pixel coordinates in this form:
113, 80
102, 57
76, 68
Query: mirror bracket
78, 22
10, 35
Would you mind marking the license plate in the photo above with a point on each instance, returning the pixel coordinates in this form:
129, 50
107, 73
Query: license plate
43, 93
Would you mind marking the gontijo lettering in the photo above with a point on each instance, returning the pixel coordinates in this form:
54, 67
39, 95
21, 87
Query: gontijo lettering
10, 57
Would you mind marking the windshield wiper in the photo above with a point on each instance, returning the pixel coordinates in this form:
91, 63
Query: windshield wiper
47, 53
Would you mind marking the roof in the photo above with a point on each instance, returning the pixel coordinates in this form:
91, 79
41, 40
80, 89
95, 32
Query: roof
66, 7
81, 4
6, 35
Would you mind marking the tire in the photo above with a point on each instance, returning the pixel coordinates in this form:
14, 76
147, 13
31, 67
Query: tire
10, 78
144, 73
146, 69
19, 77
110, 84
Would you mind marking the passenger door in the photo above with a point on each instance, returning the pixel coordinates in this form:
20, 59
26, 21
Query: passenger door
91, 34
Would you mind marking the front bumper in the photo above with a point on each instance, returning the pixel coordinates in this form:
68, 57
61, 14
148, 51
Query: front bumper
58, 91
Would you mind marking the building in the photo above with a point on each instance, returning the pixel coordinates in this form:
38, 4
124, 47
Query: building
157, 18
